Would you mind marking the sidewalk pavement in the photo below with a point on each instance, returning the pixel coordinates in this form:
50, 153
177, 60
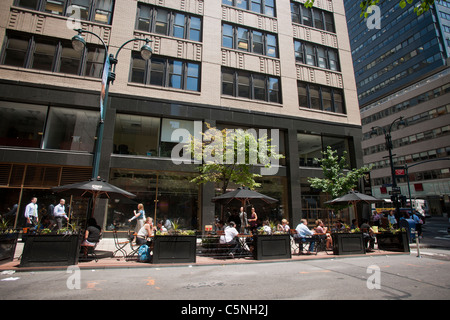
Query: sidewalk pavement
106, 247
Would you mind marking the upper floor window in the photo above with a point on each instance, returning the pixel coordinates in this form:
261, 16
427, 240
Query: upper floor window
312, 17
90, 10
168, 22
236, 37
259, 6
319, 97
244, 84
316, 55
165, 72
44, 53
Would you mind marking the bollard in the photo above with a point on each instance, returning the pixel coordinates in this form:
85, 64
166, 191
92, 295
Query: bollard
417, 243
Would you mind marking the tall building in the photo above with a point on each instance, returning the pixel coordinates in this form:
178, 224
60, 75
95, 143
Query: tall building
401, 70
260, 64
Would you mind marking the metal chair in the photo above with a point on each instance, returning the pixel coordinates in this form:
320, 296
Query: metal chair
89, 250
120, 245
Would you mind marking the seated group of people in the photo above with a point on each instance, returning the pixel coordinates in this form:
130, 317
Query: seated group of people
311, 236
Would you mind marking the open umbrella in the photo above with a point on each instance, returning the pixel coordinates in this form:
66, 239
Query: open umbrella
97, 188
354, 197
244, 195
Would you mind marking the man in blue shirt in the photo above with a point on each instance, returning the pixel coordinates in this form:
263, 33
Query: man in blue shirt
305, 234
59, 213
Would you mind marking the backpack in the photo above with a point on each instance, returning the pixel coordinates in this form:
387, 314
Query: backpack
144, 253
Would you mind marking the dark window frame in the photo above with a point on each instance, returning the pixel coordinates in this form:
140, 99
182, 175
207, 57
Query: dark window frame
266, 7
166, 71
301, 53
59, 44
299, 13
94, 7
237, 86
189, 27
335, 106
267, 44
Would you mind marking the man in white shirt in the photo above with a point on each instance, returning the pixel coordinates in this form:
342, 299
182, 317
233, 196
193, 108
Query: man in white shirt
59, 213
230, 234
305, 234
31, 213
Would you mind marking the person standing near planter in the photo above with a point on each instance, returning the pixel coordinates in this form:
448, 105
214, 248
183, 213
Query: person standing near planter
253, 221
59, 213
31, 213
139, 216
243, 219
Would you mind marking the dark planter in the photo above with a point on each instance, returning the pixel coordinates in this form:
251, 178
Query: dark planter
348, 243
8, 242
393, 242
174, 249
267, 247
50, 250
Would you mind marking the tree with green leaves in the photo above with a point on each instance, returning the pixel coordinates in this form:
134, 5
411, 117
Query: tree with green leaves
421, 6
338, 180
229, 156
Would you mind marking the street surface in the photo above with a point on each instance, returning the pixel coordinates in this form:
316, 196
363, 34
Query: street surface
386, 277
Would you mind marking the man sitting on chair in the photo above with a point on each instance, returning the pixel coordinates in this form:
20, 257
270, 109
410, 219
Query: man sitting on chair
305, 235
229, 237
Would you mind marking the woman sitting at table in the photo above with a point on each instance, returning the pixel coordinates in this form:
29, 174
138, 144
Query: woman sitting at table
145, 232
284, 226
321, 230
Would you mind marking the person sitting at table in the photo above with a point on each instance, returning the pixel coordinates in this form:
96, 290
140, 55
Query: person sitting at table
284, 226
321, 230
145, 232
368, 235
160, 226
92, 234
305, 235
266, 227
230, 237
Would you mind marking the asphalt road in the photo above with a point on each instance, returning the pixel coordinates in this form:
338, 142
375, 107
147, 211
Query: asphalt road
388, 277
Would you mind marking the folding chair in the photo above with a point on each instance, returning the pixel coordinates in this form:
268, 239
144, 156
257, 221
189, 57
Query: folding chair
120, 245
89, 250
299, 242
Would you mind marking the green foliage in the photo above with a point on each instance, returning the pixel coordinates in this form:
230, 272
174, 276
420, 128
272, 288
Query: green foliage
221, 165
338, 180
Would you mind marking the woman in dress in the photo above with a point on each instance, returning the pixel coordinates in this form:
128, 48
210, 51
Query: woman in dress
253, 221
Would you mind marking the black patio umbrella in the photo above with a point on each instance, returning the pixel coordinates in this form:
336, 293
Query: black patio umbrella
354, 197
245, 195
96, 188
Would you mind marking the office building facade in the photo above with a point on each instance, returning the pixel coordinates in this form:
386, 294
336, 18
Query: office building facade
401, 70
263, 64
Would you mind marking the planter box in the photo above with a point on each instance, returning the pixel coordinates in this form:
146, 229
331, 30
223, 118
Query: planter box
393, 242
50, 250
348, 243
8, 242
267, 247
174, 249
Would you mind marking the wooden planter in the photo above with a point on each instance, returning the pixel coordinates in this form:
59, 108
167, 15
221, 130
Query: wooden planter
8, 242
348, 243
268, 247
50, 250
393, 242
174, 249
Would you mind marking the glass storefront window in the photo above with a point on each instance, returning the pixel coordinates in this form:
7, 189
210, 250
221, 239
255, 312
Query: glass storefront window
175, 195
70, 129
309, 148
136, 135
21, 125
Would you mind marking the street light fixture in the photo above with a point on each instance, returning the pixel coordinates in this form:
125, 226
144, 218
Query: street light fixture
389, 146
78, 43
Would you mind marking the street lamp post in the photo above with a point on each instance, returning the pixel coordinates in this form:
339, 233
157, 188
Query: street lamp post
389, 146
109, 76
